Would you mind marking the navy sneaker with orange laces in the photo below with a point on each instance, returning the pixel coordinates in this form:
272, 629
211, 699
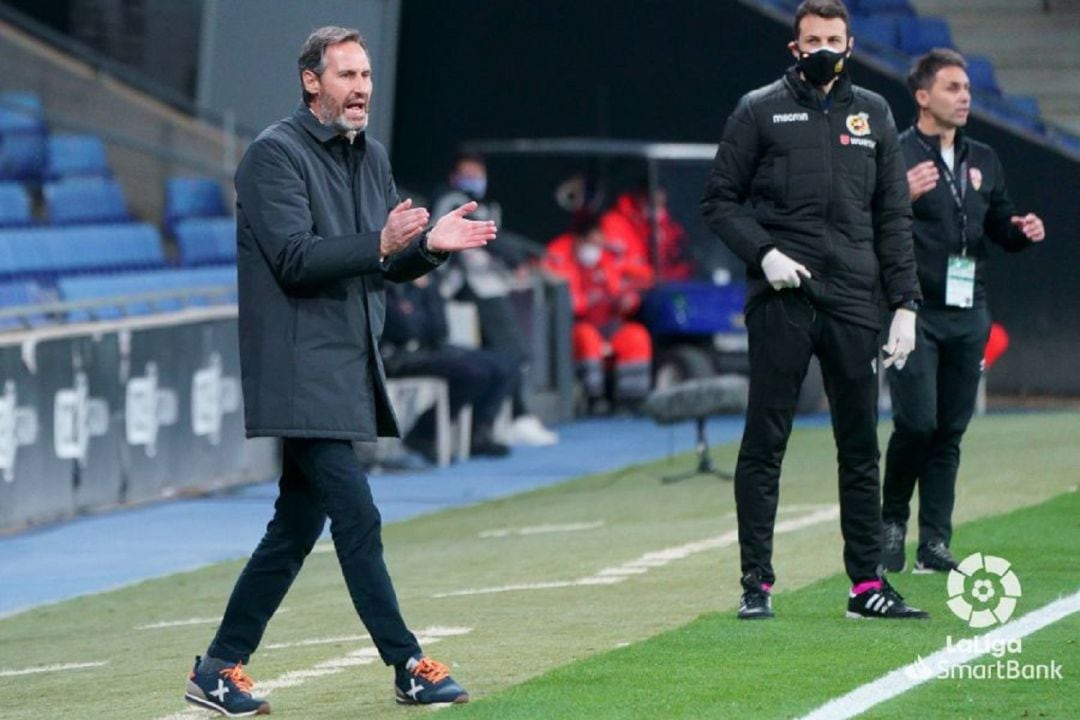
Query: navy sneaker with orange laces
423, 681
226, 691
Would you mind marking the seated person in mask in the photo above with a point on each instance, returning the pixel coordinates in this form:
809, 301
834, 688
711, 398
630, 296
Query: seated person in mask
486, 279
605, 339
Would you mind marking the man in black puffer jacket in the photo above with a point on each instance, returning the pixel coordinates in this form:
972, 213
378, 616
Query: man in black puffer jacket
957, 188
808, 188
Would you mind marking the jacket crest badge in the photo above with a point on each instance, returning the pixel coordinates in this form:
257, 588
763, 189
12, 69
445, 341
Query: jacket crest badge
859, 124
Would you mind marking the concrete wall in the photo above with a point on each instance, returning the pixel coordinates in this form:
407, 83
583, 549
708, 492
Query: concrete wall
147, 141
250, 47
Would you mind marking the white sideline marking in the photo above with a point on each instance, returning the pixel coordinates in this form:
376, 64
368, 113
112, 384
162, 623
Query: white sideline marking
903, 679
178, 623
542, 529
51, 668
362, 656
650, 560
190, 621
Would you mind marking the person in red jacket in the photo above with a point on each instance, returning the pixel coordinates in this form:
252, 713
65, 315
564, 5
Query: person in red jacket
628, 228
604, 297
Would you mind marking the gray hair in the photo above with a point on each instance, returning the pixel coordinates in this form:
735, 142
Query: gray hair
313, 53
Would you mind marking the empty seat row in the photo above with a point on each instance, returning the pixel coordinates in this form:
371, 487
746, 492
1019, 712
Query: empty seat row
204, 286
97, 199
47, 252
71, 201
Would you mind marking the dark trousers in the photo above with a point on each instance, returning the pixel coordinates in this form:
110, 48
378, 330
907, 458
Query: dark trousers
319, 479
481, 378
933, 399
784, 331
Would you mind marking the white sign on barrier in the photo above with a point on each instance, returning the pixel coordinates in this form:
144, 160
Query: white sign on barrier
213, 396
77, 418
147, 408
18, 428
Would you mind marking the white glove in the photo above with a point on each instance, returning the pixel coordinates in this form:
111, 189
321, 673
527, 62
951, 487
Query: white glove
901, 338
781, 271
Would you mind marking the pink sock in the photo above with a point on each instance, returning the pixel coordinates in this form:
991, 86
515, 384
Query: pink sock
866, 585
767, 587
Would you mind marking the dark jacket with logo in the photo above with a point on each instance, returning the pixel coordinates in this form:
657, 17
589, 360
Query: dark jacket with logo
937, 226
310, 207
823, 183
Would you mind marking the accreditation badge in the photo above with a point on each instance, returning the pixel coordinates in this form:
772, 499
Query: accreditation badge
960, 282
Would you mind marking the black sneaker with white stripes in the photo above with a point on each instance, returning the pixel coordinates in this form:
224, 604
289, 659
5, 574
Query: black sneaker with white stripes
882, 601
934, 557
756, 603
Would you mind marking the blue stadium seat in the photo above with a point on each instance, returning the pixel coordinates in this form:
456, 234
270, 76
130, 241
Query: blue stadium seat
187, 197
980, 71
75, 155
206, 240
1025, 104
14, 205
873, 7
877, 31
1005, 111
922, 34
44, 253
22, 136
85, 200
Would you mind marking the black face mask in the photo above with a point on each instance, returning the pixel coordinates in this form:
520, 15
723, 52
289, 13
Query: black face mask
822, 67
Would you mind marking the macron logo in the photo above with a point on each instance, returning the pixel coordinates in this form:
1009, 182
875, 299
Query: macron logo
790, 117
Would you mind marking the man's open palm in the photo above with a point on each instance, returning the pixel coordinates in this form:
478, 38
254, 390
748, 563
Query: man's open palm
454, 232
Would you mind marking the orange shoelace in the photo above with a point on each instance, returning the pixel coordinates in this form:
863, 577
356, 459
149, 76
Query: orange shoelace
240, 679
431, 670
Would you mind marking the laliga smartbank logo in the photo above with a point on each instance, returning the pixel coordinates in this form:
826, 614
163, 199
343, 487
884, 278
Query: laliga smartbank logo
983, 590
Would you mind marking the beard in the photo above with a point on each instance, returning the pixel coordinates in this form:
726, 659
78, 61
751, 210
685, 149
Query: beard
332, 113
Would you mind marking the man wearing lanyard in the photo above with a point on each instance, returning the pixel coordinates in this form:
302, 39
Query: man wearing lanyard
959, 200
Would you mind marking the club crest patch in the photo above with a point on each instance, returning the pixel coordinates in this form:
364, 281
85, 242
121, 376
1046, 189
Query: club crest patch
976, 177
859, 125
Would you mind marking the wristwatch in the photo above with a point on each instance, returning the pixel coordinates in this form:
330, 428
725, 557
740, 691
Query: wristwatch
911, 304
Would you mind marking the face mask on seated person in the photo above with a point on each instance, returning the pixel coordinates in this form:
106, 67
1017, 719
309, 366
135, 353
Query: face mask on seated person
821, 66
474, 186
